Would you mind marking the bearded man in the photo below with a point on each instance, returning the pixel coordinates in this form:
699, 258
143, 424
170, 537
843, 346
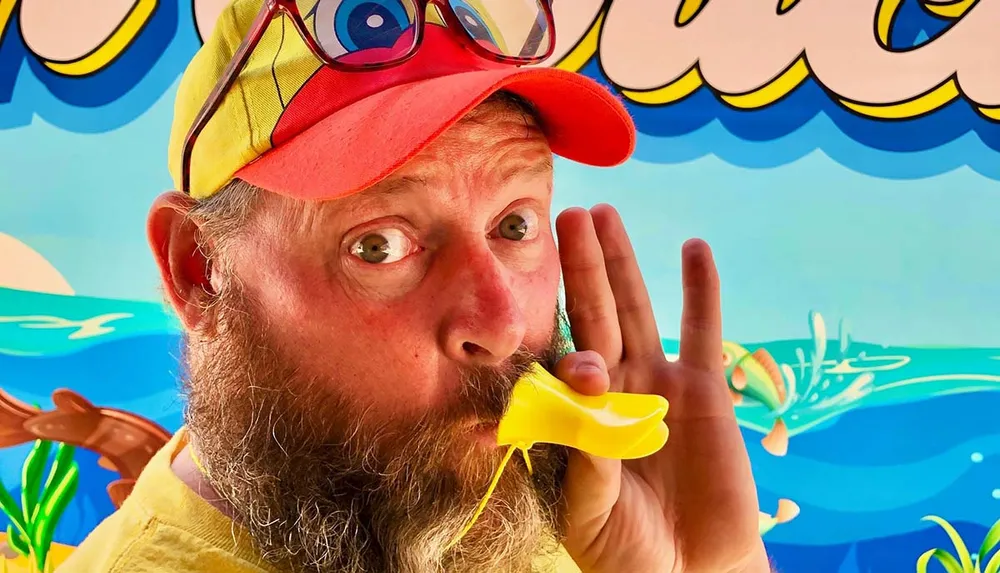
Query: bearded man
360, 251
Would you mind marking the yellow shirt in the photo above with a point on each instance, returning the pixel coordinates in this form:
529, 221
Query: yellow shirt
165, 527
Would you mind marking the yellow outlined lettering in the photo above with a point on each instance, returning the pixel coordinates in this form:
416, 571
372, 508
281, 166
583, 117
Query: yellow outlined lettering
675, 91
585, 48
922, 104
795, 74
110, 49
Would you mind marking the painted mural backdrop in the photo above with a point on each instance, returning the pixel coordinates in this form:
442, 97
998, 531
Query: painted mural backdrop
842, 157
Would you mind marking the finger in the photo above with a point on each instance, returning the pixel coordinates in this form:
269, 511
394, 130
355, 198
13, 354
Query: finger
701, 319
591, 489
640, 336
585, 372
590, 304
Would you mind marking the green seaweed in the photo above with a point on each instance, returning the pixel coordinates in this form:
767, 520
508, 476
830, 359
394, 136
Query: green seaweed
964, 562
33, 523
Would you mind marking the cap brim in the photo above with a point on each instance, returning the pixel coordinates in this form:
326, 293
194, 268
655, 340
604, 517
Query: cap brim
365, 142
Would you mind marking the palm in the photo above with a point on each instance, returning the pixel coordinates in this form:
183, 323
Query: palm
691, 506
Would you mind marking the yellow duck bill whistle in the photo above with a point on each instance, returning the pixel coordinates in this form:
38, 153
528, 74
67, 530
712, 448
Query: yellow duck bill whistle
544, 409
617, 425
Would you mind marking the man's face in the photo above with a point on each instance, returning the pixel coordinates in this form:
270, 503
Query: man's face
345, 389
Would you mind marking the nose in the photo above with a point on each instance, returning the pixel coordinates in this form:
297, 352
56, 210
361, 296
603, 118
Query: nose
484, 324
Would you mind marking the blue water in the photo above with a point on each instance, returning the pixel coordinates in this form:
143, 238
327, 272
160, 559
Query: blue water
864, 465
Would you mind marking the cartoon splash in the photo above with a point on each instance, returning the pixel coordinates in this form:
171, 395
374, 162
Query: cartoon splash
841, 156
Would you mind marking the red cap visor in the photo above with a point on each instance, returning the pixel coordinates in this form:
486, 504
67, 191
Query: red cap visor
366, 141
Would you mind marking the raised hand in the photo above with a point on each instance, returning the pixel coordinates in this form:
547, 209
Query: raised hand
692, 506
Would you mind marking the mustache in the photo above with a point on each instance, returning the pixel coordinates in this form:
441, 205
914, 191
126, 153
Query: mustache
486, 390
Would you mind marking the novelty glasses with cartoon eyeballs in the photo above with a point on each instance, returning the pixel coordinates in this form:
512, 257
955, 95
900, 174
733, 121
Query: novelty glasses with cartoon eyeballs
363, 35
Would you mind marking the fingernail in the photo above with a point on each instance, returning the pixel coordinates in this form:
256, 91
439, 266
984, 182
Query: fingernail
588, 368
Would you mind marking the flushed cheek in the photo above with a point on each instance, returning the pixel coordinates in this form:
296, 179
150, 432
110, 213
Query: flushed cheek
381, 360
292, 293
378, 354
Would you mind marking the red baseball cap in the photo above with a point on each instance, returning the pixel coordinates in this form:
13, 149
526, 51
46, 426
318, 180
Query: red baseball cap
296, 127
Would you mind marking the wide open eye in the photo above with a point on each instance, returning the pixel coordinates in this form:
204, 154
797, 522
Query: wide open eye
364, 31
382, 246
519, 225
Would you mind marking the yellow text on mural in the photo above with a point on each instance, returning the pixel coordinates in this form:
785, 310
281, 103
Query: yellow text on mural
753, 54
76, 38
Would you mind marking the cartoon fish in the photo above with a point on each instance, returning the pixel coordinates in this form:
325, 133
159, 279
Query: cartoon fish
125, 441
756, 375
787, 511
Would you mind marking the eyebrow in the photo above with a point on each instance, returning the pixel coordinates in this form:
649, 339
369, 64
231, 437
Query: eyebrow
396, 186
404, 184
526, 167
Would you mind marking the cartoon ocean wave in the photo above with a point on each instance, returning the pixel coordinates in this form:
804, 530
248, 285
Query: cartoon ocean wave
109, 374
821, 135
868, 488
932, 428
802, 386
39, 324
75, 329
843, 475
888, 554
849, 503
840, 504
862, 393
846, 478
106, 369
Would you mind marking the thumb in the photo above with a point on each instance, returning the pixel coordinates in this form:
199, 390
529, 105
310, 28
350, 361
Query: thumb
592, 484
585, 371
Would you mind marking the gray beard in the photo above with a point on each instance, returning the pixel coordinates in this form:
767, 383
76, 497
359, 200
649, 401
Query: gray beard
348, 495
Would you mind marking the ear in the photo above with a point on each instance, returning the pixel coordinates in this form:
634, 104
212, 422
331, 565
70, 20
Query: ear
184, 270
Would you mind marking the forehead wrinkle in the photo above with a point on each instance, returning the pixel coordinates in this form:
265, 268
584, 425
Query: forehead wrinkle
505, 149
521, 164
486, 170
384, 193
376, 196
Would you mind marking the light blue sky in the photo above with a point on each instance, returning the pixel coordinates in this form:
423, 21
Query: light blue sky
907, 262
